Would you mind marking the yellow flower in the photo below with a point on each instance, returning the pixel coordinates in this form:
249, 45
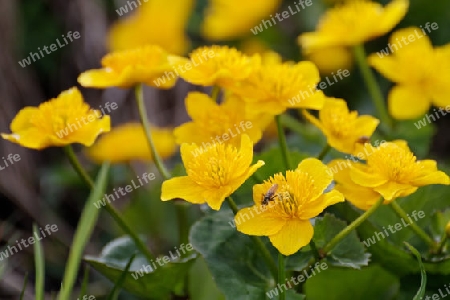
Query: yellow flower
218, 65
130, 67
328, 60
419, 84
156, 22
353, 23
58, 122
393, 171
299, 197
212, 174
360, 196
275, 87
128, 142
213, 123
343, 128
228, 19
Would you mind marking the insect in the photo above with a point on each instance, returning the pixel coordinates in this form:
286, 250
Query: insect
269, 195
363, 139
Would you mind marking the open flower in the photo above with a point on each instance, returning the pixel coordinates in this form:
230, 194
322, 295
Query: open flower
128, 142
218, 65
156, 22
299, 197
343, 128
58, 122
354, 23
213, 123
393, 171
128, 68
245, 16
419, 84
212, 174
275, 87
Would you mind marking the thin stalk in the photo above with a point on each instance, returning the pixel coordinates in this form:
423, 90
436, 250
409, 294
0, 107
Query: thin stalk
314, 250
441, 244
259, 244
40, 268
146, 124
323, 152
282, 142
422, 234
372, 85
109, 208
281, 274
341, 235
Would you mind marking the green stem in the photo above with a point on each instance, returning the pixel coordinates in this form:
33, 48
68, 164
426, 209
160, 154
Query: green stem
146, 124
281, 274
295, 125
402, 214
39, 263
323, 152
109, 208
372, 85
257, 241
352, 226
282, 142
314, 250
441, 244
183, 222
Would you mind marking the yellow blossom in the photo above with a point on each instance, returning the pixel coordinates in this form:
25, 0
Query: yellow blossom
360, 196
213, 123
275, 87
343, 128
130, 67
128, 142
299, 197
393, 171
353, 23
218, 65
420, 84
229, 19
58, 122
212, 174
155, 22
330, 59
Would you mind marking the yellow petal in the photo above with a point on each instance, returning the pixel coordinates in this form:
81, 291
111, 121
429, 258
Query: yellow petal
31, 138
314, 208
360, 176
88, 134
391, 190
215, 197
198, 104
182, 187
393, 13
319, 172
407, 102
316, 122
294, 235
366, 125
361, 197
258, 221
99, 78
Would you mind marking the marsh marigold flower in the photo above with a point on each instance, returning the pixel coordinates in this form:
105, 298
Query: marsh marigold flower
128, 142
353, 23
128, 68
58, 122
393, 171
212, 174
244, 15
218, 65
343, 128
275, 87
420, 84
155, 22
299, 197
213, 123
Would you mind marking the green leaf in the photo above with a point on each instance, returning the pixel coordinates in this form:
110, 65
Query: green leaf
153, 280
370, 283
236, 266
349, 252
85, 227
423, 274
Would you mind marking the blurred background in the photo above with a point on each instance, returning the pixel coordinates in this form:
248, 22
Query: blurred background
43, 188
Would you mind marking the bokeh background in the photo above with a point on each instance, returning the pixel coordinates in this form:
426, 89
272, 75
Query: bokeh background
43, 188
